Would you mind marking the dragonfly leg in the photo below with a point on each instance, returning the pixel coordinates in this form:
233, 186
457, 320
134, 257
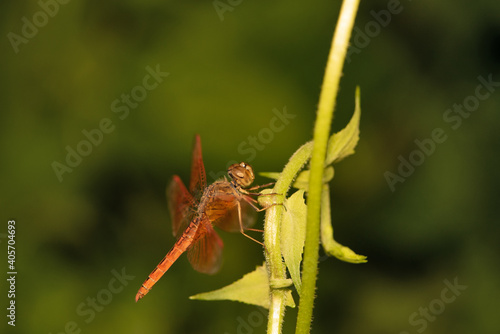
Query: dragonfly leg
253, 229
271, 205
261, 186
242, 229
251, 201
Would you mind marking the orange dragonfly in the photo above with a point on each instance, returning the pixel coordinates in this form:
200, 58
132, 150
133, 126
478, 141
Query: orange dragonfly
225, 204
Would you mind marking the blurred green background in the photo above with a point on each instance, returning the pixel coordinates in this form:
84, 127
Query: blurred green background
227, 73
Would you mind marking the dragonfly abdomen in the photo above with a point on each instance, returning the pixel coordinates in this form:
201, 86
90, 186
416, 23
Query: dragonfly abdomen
180, 247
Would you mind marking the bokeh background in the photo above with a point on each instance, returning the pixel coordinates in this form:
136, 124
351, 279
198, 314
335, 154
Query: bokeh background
228, 71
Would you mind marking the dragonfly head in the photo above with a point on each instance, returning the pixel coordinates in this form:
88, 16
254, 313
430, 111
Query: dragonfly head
241, 174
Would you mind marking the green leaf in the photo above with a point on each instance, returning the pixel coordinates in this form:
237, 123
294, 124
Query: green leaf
342, 143
253, 288
344, 253
270, 175
332, 247
293, 235
302, 181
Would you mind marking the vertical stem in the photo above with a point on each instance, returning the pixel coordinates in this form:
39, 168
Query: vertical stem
275, 267
272, 232
324, 118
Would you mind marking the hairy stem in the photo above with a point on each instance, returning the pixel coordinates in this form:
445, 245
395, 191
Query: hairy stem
324, 118
272, 229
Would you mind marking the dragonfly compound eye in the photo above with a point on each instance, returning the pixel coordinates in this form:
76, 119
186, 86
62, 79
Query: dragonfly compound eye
241, 173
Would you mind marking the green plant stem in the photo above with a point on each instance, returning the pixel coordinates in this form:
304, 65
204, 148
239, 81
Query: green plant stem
272, 227
324, 118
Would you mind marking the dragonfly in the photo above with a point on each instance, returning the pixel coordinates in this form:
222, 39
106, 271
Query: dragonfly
226, 204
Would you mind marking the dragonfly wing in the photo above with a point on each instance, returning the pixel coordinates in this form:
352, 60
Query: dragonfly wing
198, 180
230, 221
205, 254
180, 204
